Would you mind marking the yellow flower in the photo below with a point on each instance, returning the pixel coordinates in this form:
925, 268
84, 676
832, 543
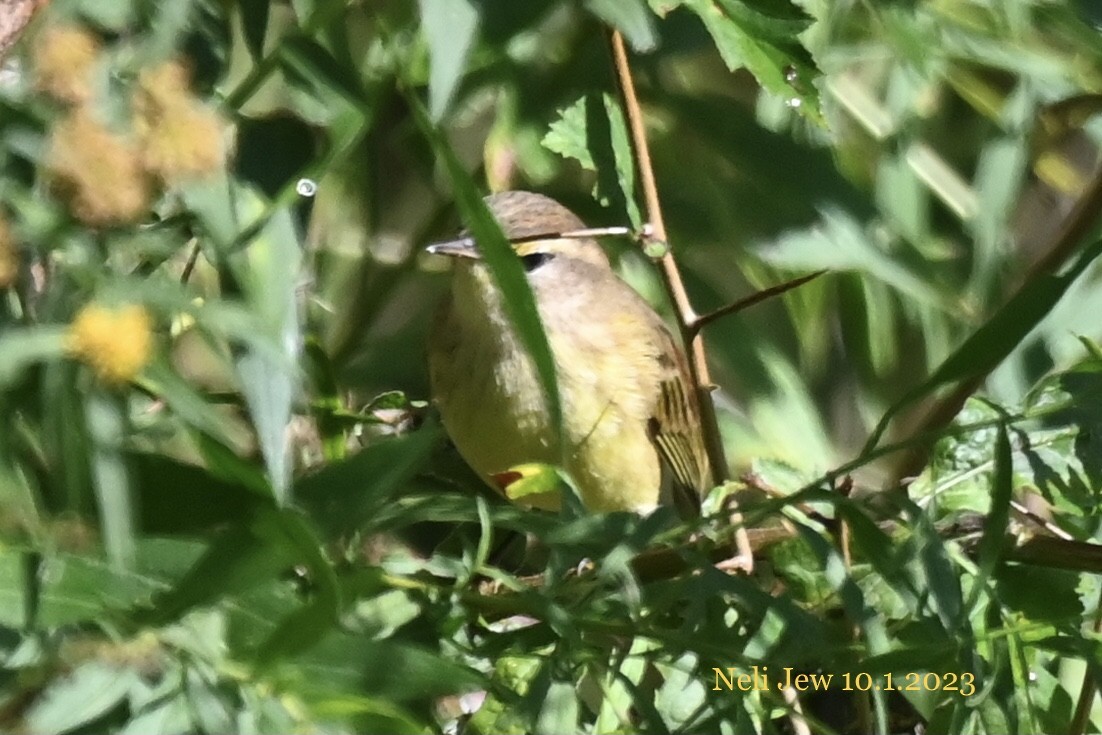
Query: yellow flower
115, 343
97, 172
63, 63
9, 257
185, 144
163, 87
181, 138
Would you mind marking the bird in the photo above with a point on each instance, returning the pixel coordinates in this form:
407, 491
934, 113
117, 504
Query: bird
631, 431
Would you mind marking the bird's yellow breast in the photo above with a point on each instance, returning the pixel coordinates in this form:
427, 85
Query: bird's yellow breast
492, 404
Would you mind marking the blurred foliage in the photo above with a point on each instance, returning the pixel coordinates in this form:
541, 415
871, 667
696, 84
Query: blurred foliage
225, 504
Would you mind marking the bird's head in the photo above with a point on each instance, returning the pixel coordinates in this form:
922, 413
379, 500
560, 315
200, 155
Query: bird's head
541, 231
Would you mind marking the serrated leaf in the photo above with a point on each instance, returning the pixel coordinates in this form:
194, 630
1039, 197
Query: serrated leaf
764, 43
593, 131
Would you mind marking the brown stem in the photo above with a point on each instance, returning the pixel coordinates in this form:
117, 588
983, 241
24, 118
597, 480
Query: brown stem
705, 319
189, 265
675, 287
1064, 243
665, 563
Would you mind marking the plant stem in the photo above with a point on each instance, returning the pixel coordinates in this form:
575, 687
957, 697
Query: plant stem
675, 287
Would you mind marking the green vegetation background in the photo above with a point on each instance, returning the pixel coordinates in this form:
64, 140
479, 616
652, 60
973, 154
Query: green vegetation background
265, 530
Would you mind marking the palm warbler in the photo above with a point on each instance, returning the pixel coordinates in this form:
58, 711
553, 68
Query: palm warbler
630, 417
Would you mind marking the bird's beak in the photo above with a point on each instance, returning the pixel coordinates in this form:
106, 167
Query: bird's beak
464, 247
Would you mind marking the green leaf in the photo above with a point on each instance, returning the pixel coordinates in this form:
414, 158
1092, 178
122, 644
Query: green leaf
997, 337
194, 410
838, 242
619, 685
559, 712
450, 28
297, 632
314, 68
224, 463
504, 265
77, 700
107, 428
171, 717
683, 693
593, 131
1040, 593
309, 624
765, 43
243, 556
994, 538
21, 348
76, 588
268, 381
344, 496
266, 268
631, 17
254, 24
177, 498
410, 672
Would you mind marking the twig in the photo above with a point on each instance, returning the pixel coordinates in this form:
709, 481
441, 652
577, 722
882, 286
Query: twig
705, 319
675, 287
189, 265
664, 563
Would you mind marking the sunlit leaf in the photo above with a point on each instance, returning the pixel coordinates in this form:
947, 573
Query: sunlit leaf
77, 700
630, 17
450, 28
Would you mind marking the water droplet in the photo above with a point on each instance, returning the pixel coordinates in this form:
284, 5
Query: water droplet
794, 103
791, 75
306, 187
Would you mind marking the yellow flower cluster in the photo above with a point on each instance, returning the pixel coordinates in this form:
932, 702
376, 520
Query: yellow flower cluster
181, 138
63, 62
97, 172
9, 256
115, 342
108, 178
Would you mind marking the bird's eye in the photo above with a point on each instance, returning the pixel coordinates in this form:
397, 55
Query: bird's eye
532, 261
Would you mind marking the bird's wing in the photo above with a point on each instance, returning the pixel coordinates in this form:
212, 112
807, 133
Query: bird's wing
675, 429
